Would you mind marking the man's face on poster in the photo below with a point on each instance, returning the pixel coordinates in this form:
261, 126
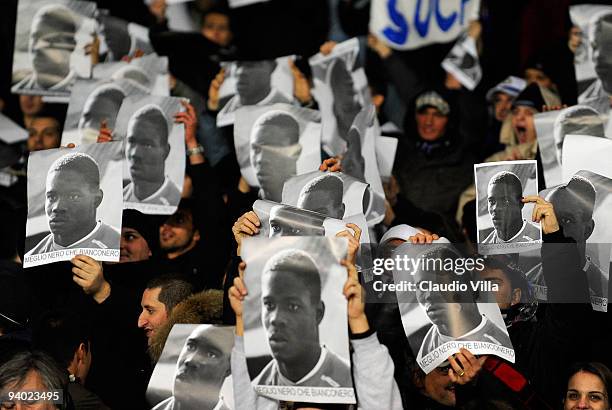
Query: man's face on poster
573, 215
52, 41
345, 106
602, 51
290, 315
275, 150
439, 306
254, 80
70, 201
325, 199
504, 204
101, 105
287, 222
203, 364
147, 149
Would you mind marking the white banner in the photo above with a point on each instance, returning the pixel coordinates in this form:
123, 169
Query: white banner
410, 24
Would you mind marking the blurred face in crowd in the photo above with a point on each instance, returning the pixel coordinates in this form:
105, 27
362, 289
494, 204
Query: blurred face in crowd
202, 366
290, 316
431, 123
147, 148
522, 123
287, 222
71, 204
133, 246
586, 390
154, 313
575, 38
502, 105
178, 233
438, 386
602, 51
275, 150
505, 296
43, 133
33, 383
51, 44
534, 75
505, 206
216, 28
30, 104
254, 78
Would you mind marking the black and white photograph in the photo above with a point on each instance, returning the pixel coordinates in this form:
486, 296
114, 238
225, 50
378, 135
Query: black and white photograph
193, 371
11, 133
503, 220
274, 143
120, 38
442, 311
463, 62
264, 82
93, 102
241, 3
149, 72
583, 207
551, 129
154, 153
386, 147
341, 90
584, 152
334, 194
74, 204
295, 343
51, 38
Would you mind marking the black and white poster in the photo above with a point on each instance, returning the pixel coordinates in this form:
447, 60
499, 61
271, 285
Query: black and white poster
274, 143
341, 90
583, 207
334, 194
149, 72
503, 220
463, 62
584, 152
154, 153
445, 306
120, 38
551, 129
295, 332
241, 3
91, 103
193, 371
10, 133
51, 37
386, 147
74, 204
260, 83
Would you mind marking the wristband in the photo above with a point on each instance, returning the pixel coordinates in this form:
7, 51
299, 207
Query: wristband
195, 150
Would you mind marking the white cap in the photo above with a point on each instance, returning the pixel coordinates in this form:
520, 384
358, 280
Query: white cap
511, 85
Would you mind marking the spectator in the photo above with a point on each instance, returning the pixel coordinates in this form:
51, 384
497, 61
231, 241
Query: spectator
588, 386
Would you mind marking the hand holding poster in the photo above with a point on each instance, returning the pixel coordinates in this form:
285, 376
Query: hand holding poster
193, 371
463, 63
154, 153
74, 204
50, 42
259, 83
341, 90
445, 306
503, 220
275, 143
295, 305
406, 25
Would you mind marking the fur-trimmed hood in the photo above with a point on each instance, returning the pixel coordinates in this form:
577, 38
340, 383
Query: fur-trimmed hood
205, 307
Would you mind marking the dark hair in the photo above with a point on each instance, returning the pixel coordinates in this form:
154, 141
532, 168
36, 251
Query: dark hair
15, 371
174, 290
59, 334
512, 271
596, 368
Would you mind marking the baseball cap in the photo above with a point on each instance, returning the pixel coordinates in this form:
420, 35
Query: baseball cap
511, 85
432, 99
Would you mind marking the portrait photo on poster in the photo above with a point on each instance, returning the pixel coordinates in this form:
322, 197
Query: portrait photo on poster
93, 102
295, 345
193, 371
503, 221
154, 153
120, 38
341, 91
149, 72
51, 37
74, 204
260, 83
583, 207
445, 306
463, 62
551, 129
334, 194
274, 143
